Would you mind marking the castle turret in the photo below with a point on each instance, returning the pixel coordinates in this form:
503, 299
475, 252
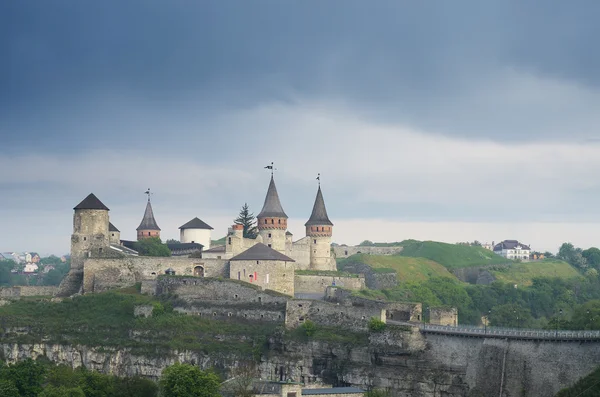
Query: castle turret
319, 230
272, 220
196, 231
148, 227
115, 234
90, 230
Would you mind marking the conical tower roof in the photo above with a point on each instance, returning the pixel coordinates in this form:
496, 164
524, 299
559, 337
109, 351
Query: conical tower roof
272, 207
319, 212
91, 202
148, 222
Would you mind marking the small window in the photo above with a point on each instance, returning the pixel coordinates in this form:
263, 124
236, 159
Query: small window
257, 262
113, 234
269, 245
265, 221
85, 238
236, 295
214, 313
99, 250
229, 240
272, 221
280, 221
262, 315
149, 234
193, 241
314, 241
269, 235
299, 305
229, 314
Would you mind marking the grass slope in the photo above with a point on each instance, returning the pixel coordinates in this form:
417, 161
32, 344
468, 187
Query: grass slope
408, 269
451, 256
524, 273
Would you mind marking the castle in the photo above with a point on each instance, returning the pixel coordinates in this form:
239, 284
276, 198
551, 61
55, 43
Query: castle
100, 260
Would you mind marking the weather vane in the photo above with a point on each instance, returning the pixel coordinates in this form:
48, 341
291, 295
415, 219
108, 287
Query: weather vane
270, 167
148, 193
319, 178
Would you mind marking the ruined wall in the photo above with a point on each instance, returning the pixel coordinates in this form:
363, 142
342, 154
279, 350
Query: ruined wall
312, 284
373, 279
19, 291
225, 311
222, 290
101, 274
344, 251
396, 311
330, 314
300, 252
443, 316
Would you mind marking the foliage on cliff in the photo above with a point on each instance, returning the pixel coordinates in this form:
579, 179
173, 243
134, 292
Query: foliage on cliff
43, 379
588, 386
107, 320
407, 268
524, 273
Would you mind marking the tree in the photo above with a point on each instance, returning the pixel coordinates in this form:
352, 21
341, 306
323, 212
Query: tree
172, 241
241, 380
592, 256
248, 220
510, 315
184, 380
26, 375
62, 391
152, 246
566, 251
6, 278
8, 389
367, 243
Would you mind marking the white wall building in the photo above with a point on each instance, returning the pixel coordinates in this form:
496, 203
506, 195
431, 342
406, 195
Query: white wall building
512, 249
196, 231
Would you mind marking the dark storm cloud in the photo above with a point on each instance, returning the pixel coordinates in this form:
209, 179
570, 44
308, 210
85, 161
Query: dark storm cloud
421, 63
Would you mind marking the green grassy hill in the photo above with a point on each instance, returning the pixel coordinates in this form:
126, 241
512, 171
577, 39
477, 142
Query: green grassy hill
524, 273
408, 269
451, 256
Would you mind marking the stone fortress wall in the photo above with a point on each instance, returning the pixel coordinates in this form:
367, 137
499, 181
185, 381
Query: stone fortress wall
102, 274
443, 316
330, 314
316, 284
344, 251
19, 291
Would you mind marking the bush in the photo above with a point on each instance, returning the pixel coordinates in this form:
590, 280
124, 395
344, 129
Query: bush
309, 328
376, 325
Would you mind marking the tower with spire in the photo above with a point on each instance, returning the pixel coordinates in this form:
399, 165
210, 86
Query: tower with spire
319, 230
148, 227
272, 219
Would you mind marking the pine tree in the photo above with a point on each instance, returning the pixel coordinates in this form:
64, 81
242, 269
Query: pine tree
248, 220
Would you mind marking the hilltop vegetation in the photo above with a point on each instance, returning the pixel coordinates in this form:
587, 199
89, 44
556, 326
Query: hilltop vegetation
524, 273
451, 256
408, 269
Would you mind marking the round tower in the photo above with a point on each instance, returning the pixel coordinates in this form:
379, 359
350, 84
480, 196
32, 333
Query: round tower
90, 230
196, 231
319, 229
272, 220
148, 227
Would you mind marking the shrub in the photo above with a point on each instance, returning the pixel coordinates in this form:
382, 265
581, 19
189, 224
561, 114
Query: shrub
309, 328
376, 325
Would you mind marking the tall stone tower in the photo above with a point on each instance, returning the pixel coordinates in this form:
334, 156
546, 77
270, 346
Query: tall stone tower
148, 226
90, 230
272, 220
319, 230
90, 238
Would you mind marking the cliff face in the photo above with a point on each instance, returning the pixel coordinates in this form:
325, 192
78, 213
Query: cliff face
400, 359
394, 359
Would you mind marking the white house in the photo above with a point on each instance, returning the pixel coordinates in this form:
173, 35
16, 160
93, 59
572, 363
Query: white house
512, 249
30, 268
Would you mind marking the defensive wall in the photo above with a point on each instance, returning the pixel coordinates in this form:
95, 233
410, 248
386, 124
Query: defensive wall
19, 291
396, 311
320, 312
506, 367
344, 251
315, 284
374, 278
101, 274
443, 316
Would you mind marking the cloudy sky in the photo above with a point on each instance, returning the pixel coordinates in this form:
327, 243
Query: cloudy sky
432, 120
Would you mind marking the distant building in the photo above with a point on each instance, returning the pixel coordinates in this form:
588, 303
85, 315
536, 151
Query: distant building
512, 249
35, 258
196, 231
488, 246
30, 268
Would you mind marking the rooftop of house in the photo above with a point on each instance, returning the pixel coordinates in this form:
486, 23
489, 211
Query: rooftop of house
260, 252
509, 245
112, 228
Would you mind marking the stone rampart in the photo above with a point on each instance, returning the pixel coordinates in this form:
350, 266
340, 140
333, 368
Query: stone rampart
344, 251
268, 313
101, 274
443, 316
19, 291
374, 279
214, 289
397, 311
312, 284
330, 314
